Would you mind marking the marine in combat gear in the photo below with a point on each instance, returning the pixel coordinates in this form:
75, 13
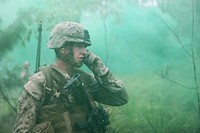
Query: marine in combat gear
43, 105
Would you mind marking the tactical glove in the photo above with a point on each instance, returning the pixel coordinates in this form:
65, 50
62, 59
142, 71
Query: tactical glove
95, 64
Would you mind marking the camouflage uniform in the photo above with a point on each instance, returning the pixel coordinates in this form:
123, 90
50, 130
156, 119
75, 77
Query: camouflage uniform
61, 111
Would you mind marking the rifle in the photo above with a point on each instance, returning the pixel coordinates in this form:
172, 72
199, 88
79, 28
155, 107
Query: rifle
97, 117
39, 46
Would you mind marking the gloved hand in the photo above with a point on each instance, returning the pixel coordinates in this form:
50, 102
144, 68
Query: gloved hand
95, 64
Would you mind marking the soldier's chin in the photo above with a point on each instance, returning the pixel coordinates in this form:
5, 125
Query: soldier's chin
78, 64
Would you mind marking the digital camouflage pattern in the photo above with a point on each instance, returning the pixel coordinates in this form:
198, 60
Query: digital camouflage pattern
46, 109
68, 32
94, 63
64, 111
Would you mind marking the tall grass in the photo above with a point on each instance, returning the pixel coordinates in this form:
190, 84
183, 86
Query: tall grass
155, 106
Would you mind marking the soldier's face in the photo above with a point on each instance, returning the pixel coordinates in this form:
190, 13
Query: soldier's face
79, 51
74, 54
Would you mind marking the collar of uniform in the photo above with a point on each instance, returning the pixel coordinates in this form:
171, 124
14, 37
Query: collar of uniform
64, 74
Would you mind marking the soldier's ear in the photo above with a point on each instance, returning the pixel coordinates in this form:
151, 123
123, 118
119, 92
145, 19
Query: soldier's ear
62, 50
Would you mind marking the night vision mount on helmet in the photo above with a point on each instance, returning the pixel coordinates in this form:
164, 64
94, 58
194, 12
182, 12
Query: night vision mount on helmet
68, 32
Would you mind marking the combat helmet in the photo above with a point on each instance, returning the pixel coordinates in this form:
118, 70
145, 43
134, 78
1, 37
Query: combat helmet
68, 32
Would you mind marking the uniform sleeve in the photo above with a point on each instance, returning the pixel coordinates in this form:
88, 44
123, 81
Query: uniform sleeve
29, 103
112, 91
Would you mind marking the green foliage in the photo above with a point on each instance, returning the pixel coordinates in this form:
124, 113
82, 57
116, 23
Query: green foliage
20, 31
8, 39
10, 78
134, 40
10, 87
155, 106
16, 33
7, 121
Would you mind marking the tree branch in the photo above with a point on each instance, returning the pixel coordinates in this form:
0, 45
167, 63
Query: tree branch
165, 77
7, 100
175, 34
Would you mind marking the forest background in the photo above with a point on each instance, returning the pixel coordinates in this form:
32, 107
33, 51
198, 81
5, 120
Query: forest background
152, 45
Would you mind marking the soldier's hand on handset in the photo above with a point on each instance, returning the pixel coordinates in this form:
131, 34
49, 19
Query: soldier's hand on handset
95, 64
89, 58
